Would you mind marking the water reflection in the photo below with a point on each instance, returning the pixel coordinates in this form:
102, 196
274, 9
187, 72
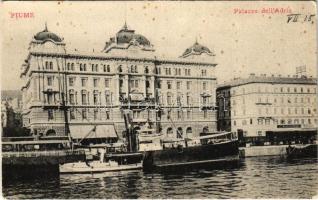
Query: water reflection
267, 177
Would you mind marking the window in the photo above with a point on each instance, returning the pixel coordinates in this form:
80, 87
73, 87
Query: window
106, 68
84, 98
188, 114
94, 67
147, 84
169, 85
107, 83
146, 70
71, 81
72, 66
260, 121
50, 114
188, 99
72, 97
204, 85
84, 81
169, 99
267, 121
81, 67
49, 80
179, 114
301, 90
84, 114
95, 114
68, 66
72, 114
296, 110
281, 89
188, 85
107, 115
234, 123
203, 72
295, 90
251, 121
51, 65
95, 82
49, 97
178, 85
95, 97
46, 65
309, 111
107, 98
205, 114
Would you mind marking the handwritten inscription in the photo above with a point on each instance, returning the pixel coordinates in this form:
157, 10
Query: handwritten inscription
292, 18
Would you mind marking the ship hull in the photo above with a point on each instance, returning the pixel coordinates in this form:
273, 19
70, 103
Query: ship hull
211, 154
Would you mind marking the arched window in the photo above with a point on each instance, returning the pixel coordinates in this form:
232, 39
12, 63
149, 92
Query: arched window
81, 67
108, 68
51, 65
189, 132
169, 132
72, 67
68, 66
120, 69
146, 70
179, 133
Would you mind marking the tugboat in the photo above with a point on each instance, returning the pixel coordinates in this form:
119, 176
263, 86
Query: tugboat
161, 153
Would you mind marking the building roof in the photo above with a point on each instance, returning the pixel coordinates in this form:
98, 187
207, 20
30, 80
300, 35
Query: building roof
269, 80
196, 49
126, 37
46, 35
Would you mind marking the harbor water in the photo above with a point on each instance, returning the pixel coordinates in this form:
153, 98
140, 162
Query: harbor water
257, 177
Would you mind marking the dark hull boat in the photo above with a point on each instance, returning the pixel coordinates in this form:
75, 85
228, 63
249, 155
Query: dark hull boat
208, 150
306, 151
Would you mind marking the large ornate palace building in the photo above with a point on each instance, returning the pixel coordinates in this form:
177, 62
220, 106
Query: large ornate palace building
82, 93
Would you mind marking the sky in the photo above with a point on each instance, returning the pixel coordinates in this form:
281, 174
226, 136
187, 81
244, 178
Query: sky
243, 43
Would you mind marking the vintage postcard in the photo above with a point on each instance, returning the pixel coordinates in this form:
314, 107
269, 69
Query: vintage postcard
159, 99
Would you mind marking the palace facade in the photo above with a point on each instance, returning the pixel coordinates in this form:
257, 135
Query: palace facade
85, 95
269, 108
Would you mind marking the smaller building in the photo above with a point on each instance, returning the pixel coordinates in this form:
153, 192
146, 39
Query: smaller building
269, 109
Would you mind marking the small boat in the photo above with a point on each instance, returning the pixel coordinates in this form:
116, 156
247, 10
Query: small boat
97, 166
302, 151
116, 161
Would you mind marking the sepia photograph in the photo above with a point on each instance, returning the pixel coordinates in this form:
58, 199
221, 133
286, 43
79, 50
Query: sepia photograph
159, 99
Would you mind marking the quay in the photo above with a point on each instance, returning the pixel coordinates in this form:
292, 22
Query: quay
271, 150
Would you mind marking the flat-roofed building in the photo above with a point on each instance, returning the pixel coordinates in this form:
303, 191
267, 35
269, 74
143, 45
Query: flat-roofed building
269, 108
